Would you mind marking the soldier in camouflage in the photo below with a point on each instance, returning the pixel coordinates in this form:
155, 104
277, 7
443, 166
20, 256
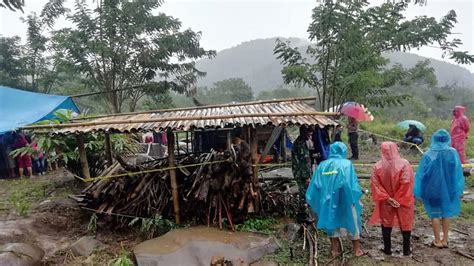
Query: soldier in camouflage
301, 165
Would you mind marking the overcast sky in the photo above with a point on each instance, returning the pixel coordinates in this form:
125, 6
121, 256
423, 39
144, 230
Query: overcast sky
227, 23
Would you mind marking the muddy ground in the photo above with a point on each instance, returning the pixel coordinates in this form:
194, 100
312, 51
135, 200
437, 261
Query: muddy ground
38, 211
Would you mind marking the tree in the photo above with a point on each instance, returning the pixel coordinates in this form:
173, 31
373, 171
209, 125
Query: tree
11, 66
13, 5
346, 56
226, 91
121, 44
283, 92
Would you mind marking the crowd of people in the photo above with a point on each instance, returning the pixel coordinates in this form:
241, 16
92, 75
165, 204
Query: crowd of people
29, 162
333, 192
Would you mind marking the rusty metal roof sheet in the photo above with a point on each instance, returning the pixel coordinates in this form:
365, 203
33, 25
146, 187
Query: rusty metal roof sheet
218, 116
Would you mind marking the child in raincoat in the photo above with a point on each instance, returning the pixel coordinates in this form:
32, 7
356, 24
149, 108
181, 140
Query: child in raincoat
392, 191
459, 131
439, 182
333, 194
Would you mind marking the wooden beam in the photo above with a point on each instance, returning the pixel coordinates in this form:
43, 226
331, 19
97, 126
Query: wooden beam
108, 149
176, 118
83, 156
173, 181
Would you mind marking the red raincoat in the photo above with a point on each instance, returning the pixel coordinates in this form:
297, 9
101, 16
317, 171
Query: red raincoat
392, 177
459, 131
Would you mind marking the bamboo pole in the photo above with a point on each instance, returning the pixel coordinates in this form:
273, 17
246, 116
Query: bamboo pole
176, 118
204, 107
173, 181
254, 151
108, 149
83, 156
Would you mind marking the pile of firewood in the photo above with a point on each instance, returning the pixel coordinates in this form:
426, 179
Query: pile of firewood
215, 188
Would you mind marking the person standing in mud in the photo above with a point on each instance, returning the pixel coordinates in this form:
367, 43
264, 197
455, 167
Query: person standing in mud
352, 131
302, 167
459, 131
392, 192
334, 195
439, 182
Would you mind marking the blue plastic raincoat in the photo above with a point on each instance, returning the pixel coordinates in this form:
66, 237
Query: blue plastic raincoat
334, 193
439, 181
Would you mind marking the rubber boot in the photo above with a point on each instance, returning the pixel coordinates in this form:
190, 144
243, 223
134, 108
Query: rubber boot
406, 243
387, 241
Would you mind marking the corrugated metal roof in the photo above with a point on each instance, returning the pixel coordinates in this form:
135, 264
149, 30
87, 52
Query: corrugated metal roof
255, 113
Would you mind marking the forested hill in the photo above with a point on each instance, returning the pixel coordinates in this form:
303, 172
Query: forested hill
255, 62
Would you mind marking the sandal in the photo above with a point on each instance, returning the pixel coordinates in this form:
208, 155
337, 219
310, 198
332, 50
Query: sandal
434, 245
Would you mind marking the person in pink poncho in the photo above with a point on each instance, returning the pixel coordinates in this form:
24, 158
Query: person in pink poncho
459, 131
392, 191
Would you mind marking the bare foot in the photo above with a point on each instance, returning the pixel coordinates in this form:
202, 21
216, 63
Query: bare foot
360, 253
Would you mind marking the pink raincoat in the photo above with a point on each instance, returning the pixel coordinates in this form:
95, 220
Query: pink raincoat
392, 177
459, 131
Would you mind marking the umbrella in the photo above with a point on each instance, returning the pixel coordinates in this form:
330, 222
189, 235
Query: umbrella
406, 124
357, 111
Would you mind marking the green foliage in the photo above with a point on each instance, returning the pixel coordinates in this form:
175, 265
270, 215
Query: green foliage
94, 46
262, 225
64, 148
154, 226
92, 226
13, 5
123, 259
226, 91
283, 92
346, 57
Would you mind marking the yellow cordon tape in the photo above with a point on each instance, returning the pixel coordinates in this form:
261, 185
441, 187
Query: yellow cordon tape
209, 163
145, 171
390, 138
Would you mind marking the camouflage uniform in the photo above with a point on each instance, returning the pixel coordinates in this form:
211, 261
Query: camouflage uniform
301, 166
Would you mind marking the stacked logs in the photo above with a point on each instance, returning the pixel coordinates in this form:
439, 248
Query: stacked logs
214, 188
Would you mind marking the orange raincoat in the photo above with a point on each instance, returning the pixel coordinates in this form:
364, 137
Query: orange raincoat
392, 177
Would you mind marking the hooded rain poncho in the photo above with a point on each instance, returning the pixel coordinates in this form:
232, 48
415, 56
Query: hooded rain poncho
459, 131
392, 177
439, 180
334, 193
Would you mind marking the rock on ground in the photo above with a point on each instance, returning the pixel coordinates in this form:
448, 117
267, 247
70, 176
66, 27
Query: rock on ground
20, 254
201, 245
85, 246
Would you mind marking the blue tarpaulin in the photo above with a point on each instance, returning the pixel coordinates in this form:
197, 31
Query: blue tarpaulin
19, 108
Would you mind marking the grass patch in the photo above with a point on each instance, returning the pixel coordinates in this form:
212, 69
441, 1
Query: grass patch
467, 211
469, 181
23, 193
265, 225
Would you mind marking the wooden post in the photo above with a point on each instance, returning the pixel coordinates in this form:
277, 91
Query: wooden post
254, 150
283, 144
174, 182
108, 149
83, 156
229, 139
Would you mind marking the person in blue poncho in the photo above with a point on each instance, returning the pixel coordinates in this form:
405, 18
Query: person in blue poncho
439, 182
333, 194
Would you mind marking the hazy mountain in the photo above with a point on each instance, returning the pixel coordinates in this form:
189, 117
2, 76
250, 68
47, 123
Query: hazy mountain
255, 62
